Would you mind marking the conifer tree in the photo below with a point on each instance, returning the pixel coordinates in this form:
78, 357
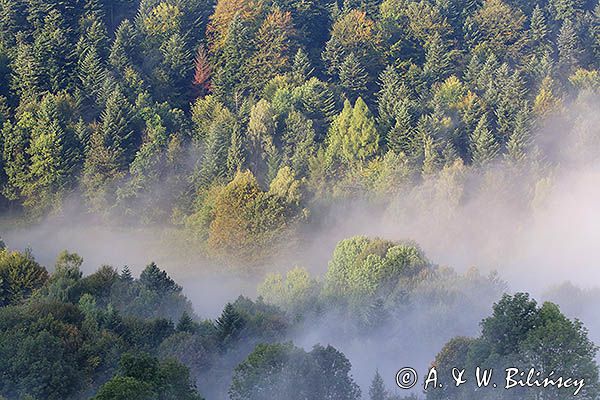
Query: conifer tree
55, 53
438, 59
92, 76
110, 151
538, 32
186, 324
260, 135
353, 77
298, 142
235, 153
400, 136
27, 80
229, 324
202, 71
275, 46
301, 67
232, 79
393, 100
431, 158
569, 50
126, 275
519, 141
55, 156
353, 137
484, 147
377, 389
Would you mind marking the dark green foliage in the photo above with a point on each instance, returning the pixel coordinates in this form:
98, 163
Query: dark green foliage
143, 377
266, 373
229, 324
519, 333
158, 281
20, 276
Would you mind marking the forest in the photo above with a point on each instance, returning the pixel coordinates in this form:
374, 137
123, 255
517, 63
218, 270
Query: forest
320, 151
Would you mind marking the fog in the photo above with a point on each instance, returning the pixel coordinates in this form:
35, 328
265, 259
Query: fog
539, 227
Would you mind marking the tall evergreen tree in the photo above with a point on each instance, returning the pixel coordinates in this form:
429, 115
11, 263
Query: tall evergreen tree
569, 50
519, 141
484, 147
353, 77
377, 389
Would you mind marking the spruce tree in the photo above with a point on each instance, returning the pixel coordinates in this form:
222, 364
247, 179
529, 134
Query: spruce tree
298, 142
519, 141
232, 79
235, 153
484, 147
186, 324
126, 275
229, 324
569, 50
393, 101
353, 77
301, 67
438, 59
538, 32
27, 80
377, 389
55, 53
400, 137
54, 157
92, 76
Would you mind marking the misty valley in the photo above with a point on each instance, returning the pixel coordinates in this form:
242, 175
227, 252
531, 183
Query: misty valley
299, 200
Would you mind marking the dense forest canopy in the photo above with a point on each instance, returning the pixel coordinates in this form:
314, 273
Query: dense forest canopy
233, 120
235, 127
112, 336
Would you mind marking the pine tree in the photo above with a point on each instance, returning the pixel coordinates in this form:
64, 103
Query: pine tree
92, 76
431, 157
484, 147
174, 74
94, 36
117, 128
16, 139
232, 79
545, 101
353, 77
111, 149
124, 48
214, 162
377, 389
